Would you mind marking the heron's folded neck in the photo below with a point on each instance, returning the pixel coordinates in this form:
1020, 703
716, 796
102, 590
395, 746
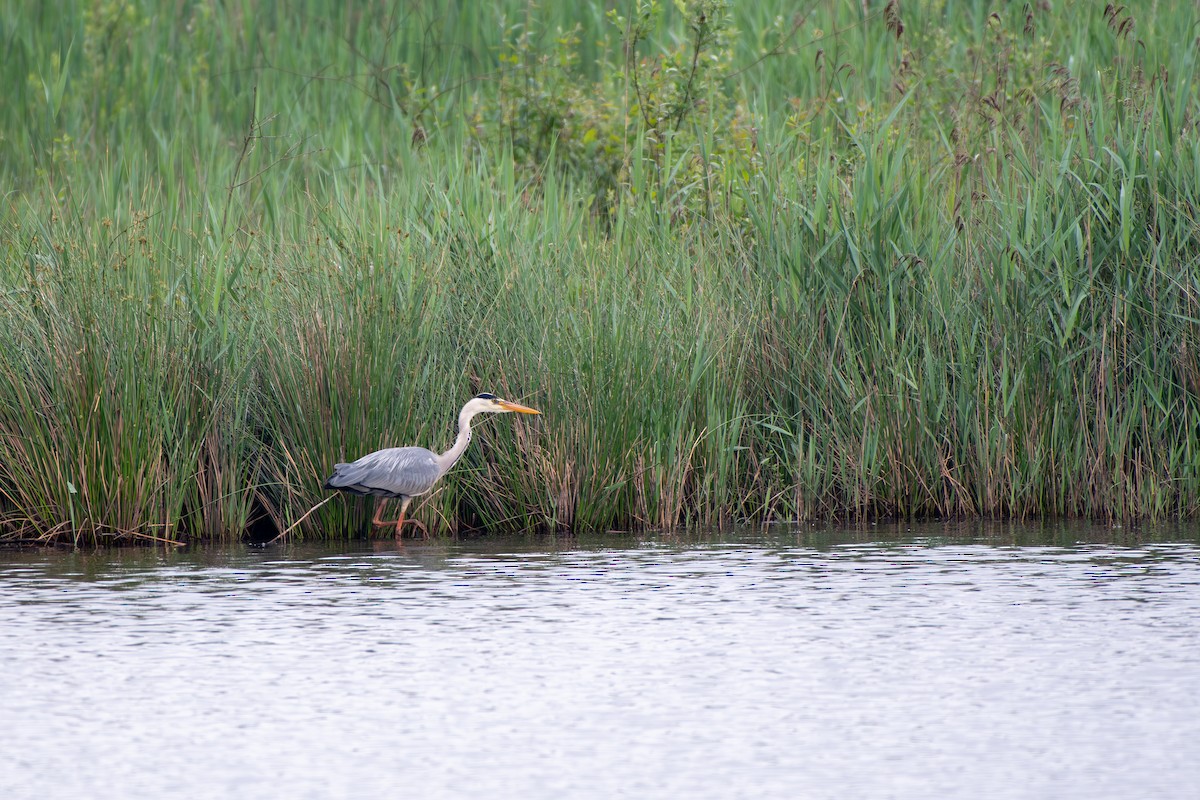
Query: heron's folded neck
447, 459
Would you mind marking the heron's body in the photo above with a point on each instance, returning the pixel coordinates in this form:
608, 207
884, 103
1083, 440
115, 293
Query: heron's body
406, 472
391, 472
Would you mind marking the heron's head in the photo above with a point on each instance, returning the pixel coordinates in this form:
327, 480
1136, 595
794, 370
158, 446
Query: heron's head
490, 403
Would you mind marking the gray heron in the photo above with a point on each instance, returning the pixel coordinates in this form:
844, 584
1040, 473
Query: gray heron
405, 472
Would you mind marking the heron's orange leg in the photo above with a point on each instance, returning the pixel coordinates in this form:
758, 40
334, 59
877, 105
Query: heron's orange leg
378, 518
401, 521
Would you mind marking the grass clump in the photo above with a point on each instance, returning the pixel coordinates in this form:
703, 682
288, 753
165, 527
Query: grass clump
865, 261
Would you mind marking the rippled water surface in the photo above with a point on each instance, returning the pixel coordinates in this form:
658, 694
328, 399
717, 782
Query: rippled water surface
911, 664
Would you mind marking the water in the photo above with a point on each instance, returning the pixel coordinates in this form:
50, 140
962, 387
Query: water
898, 664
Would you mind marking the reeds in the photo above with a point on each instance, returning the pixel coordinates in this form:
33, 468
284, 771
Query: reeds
922, 262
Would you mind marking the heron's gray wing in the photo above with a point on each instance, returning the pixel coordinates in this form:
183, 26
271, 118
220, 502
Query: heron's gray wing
394, 472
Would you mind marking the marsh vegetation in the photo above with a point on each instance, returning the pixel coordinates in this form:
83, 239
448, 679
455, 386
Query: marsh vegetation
862, 259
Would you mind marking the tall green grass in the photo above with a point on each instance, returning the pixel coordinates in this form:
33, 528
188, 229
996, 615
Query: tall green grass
932, 261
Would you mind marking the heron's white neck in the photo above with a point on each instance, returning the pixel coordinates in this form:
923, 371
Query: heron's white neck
447, 459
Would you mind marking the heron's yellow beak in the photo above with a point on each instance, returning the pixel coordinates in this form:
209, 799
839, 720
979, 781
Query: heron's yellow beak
517, 407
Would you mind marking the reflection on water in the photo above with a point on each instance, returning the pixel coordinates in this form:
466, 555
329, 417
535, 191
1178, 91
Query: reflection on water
927, 662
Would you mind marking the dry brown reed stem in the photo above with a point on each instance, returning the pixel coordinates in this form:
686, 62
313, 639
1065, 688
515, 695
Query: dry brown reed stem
296, 524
